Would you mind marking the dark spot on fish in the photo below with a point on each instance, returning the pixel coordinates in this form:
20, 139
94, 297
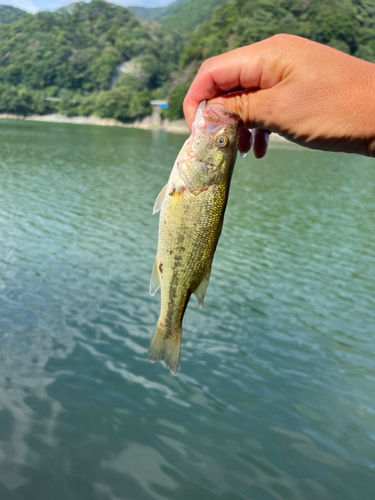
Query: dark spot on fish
194, 223
161, 267
171, 251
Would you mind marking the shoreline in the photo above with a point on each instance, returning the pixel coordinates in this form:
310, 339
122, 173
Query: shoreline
147, 123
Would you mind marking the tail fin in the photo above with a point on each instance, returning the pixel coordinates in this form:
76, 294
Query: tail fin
166, 346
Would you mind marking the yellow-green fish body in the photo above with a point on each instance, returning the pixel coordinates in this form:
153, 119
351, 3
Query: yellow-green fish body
192, 208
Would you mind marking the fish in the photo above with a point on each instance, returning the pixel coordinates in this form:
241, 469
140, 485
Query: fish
192, 206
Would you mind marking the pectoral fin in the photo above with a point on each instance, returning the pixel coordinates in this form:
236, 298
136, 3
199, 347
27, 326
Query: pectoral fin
200, 292
155, 279
159, 200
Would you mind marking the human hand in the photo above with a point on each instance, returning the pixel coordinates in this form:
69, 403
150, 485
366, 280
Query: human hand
309, 93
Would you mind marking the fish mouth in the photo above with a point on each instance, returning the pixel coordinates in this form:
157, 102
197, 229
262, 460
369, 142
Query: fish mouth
213, 116
216, 113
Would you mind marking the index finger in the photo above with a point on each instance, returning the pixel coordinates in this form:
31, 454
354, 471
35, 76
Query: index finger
246, 68
217, 76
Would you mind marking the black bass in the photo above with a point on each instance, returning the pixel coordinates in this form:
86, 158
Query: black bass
192, 208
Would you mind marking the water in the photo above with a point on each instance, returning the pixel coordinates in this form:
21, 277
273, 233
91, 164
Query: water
275, 397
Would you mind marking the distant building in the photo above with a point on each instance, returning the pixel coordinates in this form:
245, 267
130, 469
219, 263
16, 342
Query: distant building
157, 105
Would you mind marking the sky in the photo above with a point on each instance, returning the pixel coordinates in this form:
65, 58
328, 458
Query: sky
34, 6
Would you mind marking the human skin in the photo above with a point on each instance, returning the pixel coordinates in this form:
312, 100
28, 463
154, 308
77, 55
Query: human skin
309, 93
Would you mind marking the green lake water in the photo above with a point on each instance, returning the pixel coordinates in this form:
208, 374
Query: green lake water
275, 396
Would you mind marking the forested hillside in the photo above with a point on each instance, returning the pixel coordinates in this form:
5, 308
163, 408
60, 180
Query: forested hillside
9, 14
348, 25
99, 58
72, 55
183, 15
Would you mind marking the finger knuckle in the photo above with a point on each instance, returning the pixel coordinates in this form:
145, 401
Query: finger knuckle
207, 64
281, 39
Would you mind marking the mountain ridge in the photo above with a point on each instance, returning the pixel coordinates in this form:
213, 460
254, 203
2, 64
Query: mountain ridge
156, 13
10, 14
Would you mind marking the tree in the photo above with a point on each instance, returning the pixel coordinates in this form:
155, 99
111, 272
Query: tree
176, 99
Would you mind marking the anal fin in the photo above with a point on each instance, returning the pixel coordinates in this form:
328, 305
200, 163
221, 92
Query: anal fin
155, 278
200, 291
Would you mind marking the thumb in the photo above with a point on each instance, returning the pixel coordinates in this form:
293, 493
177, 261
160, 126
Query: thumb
255, 107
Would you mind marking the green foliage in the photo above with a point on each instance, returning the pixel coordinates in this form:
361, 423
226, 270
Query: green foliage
23, 101
114, 104
76, 103
103, 66
189, 15
140, 104
16, 101
9, 14
348, 25
122, 104
176, 99
73, 53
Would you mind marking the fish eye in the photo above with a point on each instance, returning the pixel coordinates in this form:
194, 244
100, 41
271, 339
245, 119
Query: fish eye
223, 141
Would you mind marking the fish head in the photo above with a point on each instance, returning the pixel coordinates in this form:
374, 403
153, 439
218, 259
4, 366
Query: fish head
215, 138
